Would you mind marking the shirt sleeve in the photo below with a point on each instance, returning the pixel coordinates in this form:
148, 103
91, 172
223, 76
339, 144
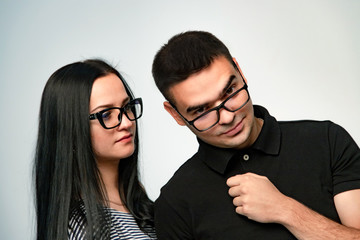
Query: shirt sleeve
169, 223
345, 160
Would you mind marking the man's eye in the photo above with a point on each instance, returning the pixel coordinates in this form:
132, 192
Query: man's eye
198, 111
230, 90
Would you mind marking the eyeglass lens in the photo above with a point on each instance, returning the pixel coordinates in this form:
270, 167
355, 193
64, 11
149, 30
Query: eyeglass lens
113, 117
232, 104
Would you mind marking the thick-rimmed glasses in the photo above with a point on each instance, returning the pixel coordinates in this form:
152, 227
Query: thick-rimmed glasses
111, 117
210, 118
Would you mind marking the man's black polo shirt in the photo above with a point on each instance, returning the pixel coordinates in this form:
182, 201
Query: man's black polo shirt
309, 161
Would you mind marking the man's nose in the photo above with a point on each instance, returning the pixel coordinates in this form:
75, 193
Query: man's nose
226, 116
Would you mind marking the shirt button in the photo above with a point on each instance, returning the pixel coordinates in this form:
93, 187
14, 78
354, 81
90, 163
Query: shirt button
246, 157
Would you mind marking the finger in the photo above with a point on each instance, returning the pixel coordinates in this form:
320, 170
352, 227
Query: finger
237, 179
234, 191
239, 210
233, 181
238, 202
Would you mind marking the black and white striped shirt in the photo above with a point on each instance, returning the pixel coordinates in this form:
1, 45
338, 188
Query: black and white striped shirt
123, 226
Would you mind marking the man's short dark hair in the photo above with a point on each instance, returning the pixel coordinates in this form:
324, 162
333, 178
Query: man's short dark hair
183, 55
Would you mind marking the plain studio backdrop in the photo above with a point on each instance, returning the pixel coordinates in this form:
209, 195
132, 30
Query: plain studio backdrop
301, 60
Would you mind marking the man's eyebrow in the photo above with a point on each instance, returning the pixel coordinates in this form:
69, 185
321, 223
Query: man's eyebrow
231, 79
229, 82
192, 108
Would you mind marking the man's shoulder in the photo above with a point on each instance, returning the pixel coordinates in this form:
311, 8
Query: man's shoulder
185, 175
306, 122
314, 130
304, 127
308, 125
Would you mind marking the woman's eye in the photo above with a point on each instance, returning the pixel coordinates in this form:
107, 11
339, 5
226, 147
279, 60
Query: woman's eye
129, 107
106, 115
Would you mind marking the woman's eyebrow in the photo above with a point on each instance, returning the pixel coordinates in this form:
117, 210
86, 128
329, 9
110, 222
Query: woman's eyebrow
125, 101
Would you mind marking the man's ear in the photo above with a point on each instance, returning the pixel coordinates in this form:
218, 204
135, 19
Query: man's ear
174, 113
234, 59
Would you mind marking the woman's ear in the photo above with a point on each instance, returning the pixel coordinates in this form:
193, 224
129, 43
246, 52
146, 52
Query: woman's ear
174, 113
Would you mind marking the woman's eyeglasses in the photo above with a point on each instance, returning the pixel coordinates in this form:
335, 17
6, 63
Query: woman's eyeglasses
111, 117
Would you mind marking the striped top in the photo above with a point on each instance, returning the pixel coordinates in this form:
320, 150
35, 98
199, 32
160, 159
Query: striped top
123, 226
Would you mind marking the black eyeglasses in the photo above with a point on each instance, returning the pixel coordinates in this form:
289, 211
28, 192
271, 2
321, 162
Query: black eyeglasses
210, 118
111, 117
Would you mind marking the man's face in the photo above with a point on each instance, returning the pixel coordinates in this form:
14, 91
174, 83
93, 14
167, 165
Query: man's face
207, 89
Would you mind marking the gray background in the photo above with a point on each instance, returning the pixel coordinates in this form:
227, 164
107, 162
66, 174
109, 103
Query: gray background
301, 59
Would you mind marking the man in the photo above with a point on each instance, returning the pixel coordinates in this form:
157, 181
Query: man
252, 177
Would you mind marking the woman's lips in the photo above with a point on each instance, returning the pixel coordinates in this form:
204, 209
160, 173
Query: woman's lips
125, 138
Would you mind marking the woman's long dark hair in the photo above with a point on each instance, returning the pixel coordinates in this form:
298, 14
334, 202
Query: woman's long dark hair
66, 173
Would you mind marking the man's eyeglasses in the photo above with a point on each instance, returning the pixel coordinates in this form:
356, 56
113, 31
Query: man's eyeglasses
210, 118
111, 117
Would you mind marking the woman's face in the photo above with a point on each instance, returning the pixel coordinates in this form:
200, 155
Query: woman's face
116, 143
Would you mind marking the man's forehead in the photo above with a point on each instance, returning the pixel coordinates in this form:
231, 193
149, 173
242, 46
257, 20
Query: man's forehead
205, 86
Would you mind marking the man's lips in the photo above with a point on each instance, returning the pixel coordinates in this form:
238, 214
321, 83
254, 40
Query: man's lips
125, 137
235, 130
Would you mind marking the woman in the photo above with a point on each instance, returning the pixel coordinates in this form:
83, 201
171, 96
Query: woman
86, 162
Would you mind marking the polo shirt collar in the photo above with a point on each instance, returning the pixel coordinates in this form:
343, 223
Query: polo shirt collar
267, 142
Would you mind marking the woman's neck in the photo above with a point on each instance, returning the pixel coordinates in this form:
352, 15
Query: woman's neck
109, 174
